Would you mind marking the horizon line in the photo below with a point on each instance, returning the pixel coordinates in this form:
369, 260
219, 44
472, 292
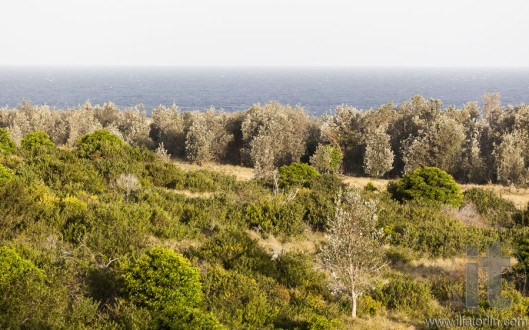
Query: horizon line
263, 66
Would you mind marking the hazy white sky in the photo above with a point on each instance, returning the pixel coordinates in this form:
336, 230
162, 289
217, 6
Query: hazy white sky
265, 32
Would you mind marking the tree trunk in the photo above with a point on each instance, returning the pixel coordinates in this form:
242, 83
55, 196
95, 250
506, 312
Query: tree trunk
353, 300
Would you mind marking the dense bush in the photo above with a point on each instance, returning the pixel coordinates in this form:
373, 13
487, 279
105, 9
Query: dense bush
20, 286
5, 174
497, 210
403, 292
100, 144
427, 183
424, 227
165, 175
236, 251
237, 299
37, 141
296, 174
277, 216
162, 280
185, 318
7, 146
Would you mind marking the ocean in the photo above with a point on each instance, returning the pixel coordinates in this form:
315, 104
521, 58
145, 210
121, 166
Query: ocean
318, 90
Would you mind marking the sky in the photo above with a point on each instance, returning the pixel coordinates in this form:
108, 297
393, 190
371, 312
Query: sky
265, 32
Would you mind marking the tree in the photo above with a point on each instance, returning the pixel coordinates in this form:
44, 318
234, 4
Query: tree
326, 159
207, 138
341, 129
128, 183
198, 141
378, 158
510, 163
274, 135
168, 127
352, 253
437, 145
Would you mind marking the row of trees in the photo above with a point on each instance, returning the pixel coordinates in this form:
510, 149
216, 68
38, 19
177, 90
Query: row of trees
487, 144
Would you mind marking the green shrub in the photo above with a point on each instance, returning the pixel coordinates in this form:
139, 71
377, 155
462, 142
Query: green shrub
318, 208
18, 208
369, 187
401, 254
237, 300
327, 184
320, 322
165, 174
100, 144
110, 156
7, 146
368, 305
185, 318
37, 141
497, 210
276, 216
64, 172
295, 269
428, 183
424, 227
162, 279
403, 292
5, 174
441, 287
296, 174
234, 250
204, 180
20, 286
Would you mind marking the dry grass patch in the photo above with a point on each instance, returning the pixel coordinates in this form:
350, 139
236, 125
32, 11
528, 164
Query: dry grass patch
424, 269
275, 246
519, 196
174, 244
361, 182
240, 172
383, 320
467, 214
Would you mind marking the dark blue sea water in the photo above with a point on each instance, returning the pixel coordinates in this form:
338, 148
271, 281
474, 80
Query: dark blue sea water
316, 89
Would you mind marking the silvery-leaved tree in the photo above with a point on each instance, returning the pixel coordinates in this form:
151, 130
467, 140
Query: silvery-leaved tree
510, 163
352, 252
378, 158
198, 141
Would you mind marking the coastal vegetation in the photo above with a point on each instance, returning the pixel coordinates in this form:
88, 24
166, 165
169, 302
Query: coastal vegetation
104, 226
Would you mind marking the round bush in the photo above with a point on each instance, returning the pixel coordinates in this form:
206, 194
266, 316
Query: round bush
20, 284
37, 140
100, 144
7, 146
427, 183
5, 174
163, 279
296, 174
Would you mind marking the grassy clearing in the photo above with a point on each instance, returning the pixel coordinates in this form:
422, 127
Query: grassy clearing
240, 172
308, 244
519, 196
